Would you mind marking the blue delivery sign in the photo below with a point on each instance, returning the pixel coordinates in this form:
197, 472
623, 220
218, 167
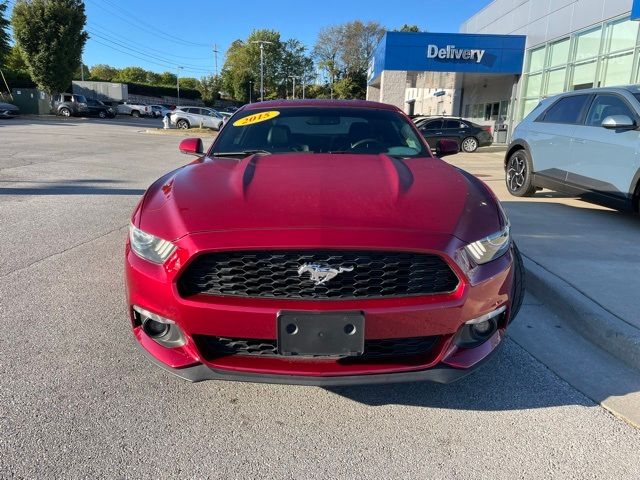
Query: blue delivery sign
445, 52
635, 10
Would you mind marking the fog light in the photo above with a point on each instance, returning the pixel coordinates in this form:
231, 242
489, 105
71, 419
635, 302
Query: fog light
155, 329
478, 330
482, 328
160, 329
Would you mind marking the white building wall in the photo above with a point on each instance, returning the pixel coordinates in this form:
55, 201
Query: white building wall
392, 87
543, 20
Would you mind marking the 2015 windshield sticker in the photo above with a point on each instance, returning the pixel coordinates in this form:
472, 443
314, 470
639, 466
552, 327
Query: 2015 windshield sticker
256, 118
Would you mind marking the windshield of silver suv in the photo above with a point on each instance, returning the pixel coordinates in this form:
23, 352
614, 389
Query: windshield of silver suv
318, 130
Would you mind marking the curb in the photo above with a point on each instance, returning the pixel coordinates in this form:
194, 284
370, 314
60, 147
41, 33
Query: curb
585, 316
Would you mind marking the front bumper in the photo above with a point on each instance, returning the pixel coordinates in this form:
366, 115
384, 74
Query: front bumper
480, 291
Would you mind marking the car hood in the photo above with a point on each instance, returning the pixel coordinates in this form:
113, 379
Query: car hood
7, 106
300, 191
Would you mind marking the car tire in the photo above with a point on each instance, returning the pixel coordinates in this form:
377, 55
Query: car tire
183, 124
517, 290
64, 112
135, 113
469, 144
102, 114
519, 174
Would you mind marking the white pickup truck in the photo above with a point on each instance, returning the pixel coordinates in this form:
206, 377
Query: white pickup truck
134, 109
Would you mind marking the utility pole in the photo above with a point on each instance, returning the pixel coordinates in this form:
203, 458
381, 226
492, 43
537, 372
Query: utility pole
303, 85
250, 82
178, 82
262, 43
215, 56
293, 77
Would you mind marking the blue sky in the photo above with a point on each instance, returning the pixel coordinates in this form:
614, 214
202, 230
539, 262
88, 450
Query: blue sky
160, 34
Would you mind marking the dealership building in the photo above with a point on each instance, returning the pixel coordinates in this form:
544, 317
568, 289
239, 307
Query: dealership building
508, 57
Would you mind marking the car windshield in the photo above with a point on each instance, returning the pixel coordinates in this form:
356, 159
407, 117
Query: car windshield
319, 130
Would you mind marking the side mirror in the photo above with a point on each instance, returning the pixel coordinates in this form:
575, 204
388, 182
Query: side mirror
192, 146
615, 122
446, 147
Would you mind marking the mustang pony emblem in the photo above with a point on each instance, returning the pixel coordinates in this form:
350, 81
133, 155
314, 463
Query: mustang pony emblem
321, 274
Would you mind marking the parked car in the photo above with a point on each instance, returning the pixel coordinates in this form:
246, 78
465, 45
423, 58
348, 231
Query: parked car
69, 104
100, 109
134, 109
159, 111
320, 242
468, 135
8, 110
189, 117
582, 143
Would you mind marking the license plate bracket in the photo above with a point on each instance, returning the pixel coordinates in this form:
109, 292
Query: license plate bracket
335, 334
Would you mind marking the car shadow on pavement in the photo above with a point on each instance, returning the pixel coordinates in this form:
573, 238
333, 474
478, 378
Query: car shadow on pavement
69, 187
512, 380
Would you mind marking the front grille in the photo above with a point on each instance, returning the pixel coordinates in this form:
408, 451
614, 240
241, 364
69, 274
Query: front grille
274, 274
212, 347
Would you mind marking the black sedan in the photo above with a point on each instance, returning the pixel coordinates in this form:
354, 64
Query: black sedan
100, 109
469, 135
8, 110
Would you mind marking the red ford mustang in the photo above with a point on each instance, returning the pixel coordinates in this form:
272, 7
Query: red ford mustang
320, 243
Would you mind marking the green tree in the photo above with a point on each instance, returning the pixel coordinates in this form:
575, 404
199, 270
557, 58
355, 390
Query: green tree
344, 52
5, 47
189, 82
104, 73
132, 75
15, 61
409, 28
168, 79
242, 65
50, 34
210, 88
295, 62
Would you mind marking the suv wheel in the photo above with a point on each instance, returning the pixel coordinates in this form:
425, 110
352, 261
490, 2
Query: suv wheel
183, 124
65, 112
135, 113
469, 144
102, 114
519, 174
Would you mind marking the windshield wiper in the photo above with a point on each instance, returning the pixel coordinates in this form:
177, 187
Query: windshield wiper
243, 153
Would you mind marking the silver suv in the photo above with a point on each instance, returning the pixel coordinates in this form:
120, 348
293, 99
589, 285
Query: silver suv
584, 143
194, 117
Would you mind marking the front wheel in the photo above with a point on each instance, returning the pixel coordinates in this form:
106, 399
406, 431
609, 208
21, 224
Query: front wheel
65, 112
519, 174
135, 114
469, 144
102, 114
183, 124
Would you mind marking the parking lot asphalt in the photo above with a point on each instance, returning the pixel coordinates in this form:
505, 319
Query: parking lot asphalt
78, 400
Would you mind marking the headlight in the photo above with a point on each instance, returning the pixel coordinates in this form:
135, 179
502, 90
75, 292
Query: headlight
150, 247
489, 248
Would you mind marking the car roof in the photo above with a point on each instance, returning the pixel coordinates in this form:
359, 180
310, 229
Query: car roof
319, 103
617, 88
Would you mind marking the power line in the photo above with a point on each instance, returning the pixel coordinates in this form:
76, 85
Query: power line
162, 59
107, 33
141, 25
164, 65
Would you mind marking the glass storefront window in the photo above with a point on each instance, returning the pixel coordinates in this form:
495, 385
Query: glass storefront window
584, 75
533, 85
559, 53
588, 44
618, 70
555, 81
529, 105
536, 59
622, 35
